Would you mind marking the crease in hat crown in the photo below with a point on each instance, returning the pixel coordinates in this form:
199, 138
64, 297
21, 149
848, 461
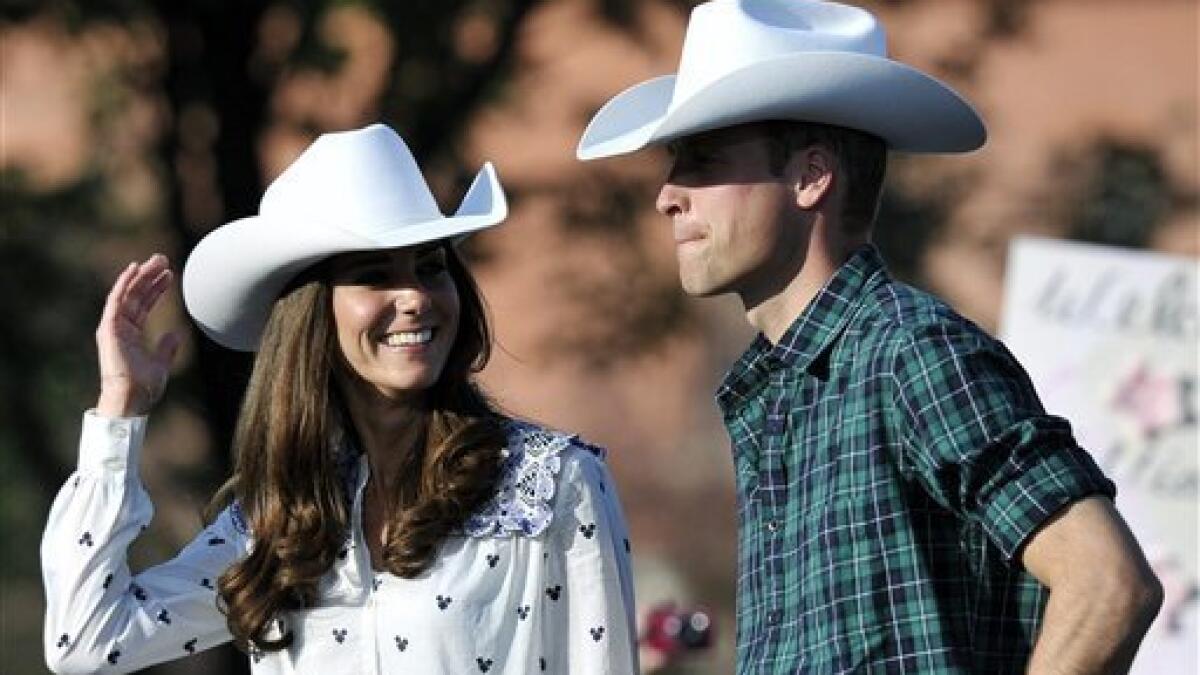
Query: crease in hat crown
358, 181
348, 191
804, 60
764, 30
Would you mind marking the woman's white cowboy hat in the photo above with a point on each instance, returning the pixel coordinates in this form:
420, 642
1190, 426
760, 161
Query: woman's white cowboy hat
349, 191
753, 60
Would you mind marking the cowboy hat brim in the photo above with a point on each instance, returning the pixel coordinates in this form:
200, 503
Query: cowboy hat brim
234, 275
909, 110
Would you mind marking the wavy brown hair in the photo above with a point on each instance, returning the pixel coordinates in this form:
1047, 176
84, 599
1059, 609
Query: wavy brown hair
293, 424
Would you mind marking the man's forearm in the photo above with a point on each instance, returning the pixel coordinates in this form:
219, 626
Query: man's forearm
1095, 625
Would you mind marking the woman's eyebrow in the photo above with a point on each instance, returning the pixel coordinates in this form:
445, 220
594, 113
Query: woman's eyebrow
362, 260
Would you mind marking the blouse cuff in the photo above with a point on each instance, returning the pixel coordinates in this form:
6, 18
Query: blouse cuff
110, 443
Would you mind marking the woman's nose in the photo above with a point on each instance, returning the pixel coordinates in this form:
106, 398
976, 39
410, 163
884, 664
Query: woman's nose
412, 300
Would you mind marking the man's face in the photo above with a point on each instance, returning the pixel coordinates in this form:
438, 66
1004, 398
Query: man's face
737, 226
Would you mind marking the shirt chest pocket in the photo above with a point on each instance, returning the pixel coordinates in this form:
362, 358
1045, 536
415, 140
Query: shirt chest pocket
825, 473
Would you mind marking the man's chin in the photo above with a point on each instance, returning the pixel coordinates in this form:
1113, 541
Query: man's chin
701, 288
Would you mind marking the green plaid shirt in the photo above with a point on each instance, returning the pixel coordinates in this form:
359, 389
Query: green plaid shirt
891, 460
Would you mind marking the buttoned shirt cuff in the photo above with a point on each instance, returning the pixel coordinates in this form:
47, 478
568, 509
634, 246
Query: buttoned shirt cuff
110, 443
1060, 476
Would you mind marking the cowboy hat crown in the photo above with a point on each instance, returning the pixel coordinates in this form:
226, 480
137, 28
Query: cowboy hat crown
805, 60
356, 190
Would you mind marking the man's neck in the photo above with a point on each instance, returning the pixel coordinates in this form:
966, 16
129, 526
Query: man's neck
773, 315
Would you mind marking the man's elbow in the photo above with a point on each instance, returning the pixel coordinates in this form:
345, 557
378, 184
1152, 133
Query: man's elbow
1148, 596
1134, 591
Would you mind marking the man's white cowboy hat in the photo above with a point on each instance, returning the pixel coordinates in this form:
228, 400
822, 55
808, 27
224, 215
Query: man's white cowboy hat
753, 60
349, 191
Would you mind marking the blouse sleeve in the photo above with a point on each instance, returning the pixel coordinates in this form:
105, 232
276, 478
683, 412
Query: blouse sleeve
99, 616
589, 527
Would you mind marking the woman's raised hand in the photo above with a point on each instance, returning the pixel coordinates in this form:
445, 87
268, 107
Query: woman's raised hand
132, 375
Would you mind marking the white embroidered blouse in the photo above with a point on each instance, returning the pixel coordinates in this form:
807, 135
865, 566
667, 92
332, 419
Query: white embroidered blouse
539, 581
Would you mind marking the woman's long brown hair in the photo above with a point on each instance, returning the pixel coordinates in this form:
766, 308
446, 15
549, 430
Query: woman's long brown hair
290, 429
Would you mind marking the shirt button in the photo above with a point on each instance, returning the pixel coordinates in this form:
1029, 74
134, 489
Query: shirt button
773, 617
773, 525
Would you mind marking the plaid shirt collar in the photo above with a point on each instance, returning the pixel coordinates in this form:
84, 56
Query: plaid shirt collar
810, 335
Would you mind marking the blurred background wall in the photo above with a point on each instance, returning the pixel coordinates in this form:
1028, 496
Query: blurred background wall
131, 126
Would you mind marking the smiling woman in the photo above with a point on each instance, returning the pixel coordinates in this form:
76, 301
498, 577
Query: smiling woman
382, 516
397, 315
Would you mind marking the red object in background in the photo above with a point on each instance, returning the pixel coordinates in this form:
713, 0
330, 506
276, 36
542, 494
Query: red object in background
672, 631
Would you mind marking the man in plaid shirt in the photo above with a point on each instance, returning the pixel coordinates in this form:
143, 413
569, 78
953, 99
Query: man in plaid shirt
905, 503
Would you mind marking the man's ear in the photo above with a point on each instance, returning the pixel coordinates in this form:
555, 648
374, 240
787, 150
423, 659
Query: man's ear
810, 172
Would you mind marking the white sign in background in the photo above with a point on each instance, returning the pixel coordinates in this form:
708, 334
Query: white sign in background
1110, 338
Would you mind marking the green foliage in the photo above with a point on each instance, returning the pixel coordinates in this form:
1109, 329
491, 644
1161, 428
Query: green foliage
49, 304
1118, 193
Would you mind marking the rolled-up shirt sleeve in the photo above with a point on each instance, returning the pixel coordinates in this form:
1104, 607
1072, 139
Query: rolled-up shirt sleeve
100, 617
975, 434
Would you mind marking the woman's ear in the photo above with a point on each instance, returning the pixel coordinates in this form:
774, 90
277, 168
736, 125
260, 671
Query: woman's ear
810, 171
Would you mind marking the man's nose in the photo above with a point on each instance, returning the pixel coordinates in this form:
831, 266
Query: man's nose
672, 200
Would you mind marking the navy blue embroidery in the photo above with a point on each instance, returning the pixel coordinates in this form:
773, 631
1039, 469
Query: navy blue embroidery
216, 541
138, 592
492, 560
339, 634
86, 539
597, 632
238, 518
376, 583
554, 592
401, 643
63, 641
484, 664
588, 530
113, 656
206, 583
444, 601
190, 646
107, 582
523, 612
164, 617
541, 663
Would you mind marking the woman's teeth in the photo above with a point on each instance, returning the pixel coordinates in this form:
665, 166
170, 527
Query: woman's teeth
408, 338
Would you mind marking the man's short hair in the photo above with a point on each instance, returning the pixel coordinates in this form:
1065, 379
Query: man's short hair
862, 158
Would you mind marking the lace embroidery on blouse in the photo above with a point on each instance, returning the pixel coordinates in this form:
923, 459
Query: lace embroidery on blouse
528, 476
521, 504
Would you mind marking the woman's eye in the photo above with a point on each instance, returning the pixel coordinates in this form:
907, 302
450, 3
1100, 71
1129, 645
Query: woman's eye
368, 277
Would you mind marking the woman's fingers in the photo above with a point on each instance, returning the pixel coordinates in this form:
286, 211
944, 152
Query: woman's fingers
150, 295
150, 279
112, 305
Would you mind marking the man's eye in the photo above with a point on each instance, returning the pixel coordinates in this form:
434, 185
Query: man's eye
696, 159
432, 267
